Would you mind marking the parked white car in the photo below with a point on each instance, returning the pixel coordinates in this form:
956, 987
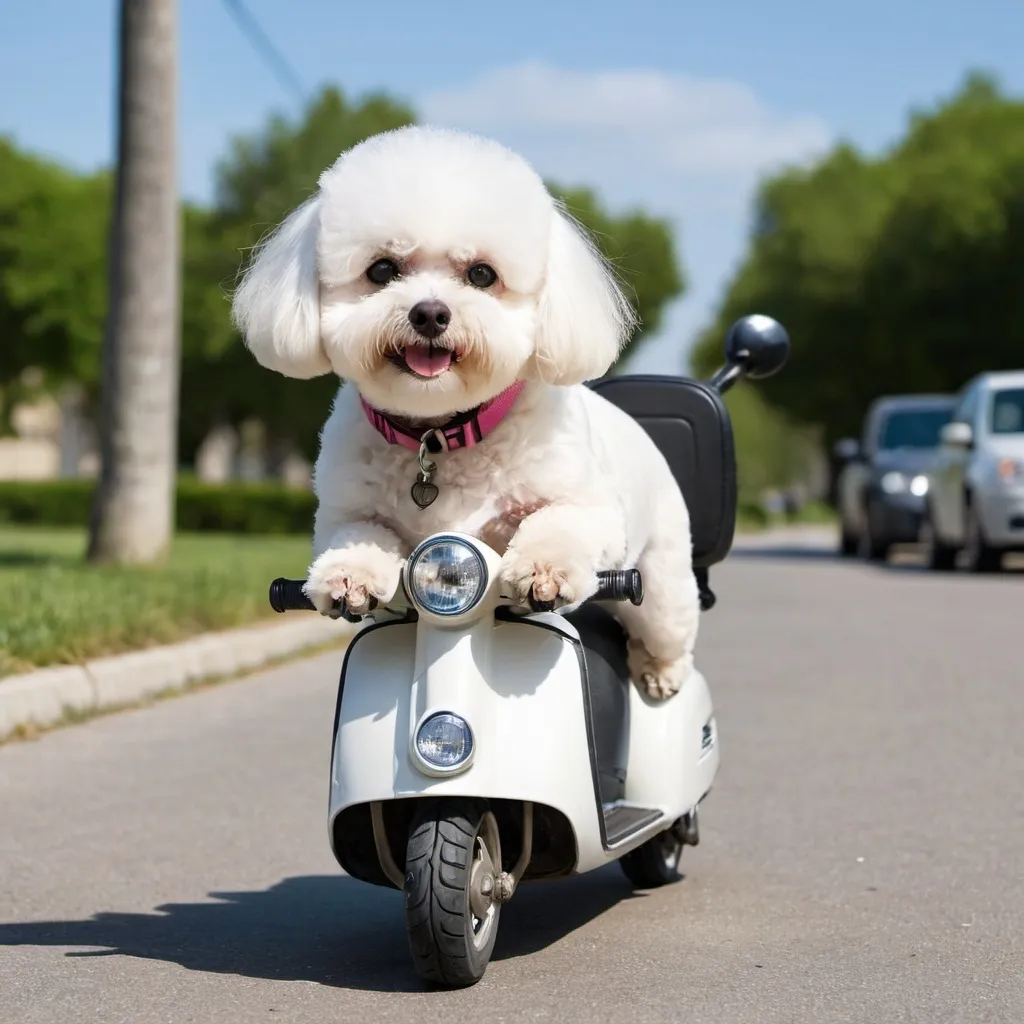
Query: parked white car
976, 483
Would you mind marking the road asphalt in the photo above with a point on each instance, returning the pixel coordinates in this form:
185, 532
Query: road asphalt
860, 859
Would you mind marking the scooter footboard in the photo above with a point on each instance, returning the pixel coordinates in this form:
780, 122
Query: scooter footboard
520, 688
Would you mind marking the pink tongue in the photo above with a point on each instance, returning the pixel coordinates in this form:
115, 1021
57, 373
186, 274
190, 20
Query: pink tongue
427, 361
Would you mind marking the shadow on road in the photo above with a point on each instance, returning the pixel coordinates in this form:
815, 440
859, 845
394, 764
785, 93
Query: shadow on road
327, 929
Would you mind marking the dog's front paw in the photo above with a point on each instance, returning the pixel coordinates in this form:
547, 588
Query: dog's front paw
346, 584
545, 586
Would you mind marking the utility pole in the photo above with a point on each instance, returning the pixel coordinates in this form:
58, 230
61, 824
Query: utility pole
133, 513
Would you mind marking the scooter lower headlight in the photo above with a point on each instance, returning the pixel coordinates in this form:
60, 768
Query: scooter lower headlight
444, 741
447, 576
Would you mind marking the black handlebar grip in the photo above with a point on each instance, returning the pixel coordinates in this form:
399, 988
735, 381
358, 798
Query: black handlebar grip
287, 596
620, 585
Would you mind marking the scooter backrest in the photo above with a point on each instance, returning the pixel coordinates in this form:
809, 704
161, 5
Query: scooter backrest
689, 423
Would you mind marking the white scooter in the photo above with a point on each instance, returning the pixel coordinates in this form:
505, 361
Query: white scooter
479, 745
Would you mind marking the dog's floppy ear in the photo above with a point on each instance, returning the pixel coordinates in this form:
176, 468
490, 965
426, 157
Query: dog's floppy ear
277, 305
583, 319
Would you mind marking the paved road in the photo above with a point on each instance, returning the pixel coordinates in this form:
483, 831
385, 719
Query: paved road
861, 857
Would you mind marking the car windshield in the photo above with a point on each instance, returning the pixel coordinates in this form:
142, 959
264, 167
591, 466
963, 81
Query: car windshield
913, 428
1008, 411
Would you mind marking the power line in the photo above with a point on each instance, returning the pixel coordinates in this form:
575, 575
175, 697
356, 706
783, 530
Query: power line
261, 42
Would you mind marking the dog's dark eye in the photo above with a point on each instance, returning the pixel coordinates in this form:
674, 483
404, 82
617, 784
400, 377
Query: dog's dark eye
480, 275
382, 271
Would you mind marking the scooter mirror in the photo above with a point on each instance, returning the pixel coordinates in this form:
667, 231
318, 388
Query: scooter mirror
757, 344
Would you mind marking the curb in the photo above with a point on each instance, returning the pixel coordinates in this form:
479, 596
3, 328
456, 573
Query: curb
48, 696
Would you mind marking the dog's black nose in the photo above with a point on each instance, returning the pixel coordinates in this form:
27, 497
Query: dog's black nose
430, 317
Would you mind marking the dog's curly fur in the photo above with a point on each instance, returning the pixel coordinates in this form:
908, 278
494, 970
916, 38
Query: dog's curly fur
566, 484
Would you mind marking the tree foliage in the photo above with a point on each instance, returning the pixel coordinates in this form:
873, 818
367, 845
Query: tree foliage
53, 240
895, 274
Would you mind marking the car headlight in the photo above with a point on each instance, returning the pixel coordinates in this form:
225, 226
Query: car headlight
444, 741
895, 483
447, 576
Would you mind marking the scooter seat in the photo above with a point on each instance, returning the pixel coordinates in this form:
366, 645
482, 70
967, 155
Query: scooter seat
689, 423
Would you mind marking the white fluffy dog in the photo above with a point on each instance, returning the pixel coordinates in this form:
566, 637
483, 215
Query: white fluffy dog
434, 272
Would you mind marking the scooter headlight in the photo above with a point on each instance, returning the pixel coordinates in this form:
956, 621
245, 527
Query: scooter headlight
447, 576
444, 741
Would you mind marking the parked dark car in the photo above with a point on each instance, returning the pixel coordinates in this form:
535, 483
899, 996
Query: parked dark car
882, 486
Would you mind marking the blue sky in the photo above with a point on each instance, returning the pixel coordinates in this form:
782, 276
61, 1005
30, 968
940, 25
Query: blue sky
676, 106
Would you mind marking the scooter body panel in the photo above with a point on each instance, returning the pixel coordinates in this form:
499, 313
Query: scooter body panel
673, 748
522, 687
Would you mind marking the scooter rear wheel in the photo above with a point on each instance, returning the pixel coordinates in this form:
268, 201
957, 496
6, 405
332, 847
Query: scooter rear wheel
655, 862
453, 861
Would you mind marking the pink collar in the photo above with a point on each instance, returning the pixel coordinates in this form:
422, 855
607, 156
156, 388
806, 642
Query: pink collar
461, 431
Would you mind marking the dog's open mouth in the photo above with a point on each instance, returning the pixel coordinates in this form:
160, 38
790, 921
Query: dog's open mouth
424, 361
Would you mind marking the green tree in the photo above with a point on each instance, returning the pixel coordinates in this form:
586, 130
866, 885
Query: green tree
52, 272
945, 271
813, 232
896, 274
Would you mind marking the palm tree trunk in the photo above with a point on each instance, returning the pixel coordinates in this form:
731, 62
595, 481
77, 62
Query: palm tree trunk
133, 514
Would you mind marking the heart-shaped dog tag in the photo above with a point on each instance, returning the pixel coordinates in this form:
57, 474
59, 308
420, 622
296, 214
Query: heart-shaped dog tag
424, 493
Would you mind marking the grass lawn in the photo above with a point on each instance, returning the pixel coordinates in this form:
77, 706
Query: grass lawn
56, 609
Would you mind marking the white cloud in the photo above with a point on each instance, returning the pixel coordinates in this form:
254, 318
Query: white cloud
688, 148
691, 125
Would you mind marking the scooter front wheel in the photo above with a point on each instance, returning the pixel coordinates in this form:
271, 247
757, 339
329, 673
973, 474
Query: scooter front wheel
453, 861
